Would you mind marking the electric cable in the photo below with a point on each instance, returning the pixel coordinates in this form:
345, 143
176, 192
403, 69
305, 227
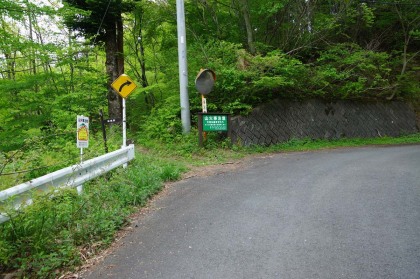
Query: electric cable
102, 21
390, 3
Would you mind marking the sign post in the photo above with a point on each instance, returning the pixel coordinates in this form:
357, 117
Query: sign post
82, 124
82, 132
204, 82
204, 103
124, 85
209, 122
213, 122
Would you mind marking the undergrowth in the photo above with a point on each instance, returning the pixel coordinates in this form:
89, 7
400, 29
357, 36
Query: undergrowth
62, 229
312, 144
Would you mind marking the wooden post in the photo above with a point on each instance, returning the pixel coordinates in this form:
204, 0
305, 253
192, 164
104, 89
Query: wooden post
200, 129
103, 130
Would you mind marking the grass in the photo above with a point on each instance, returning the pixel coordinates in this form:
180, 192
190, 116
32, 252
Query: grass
308, 144
37, 158
58, 232
186, 151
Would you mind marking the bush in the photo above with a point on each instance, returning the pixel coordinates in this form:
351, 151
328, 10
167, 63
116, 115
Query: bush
343, 71
252, 80
346, 71
164, 121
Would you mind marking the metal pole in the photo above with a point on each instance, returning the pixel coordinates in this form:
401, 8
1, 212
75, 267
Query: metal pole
200, 129
204, 105
80, 187
183, 72
124, 127
124, 124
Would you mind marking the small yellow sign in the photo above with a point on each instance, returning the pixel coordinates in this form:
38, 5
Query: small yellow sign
82, 131
83, 134
124, 85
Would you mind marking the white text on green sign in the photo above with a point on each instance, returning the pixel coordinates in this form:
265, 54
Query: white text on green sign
215, 123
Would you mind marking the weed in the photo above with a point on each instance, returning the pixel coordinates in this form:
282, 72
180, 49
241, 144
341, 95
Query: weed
49, 235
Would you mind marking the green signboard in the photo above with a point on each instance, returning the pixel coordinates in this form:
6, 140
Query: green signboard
215, 122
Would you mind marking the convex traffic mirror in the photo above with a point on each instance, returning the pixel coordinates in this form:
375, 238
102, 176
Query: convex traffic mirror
204, 81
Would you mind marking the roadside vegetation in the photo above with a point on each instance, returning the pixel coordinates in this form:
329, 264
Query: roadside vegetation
59, 57
60, 232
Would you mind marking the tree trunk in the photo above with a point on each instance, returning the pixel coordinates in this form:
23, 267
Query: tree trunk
33, 62
244, 7
11, 62
144, 81
111, 50
120, 46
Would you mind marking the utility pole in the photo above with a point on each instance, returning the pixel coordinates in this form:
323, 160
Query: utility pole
183, 72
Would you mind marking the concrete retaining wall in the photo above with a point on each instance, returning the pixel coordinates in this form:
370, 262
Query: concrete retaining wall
282, 120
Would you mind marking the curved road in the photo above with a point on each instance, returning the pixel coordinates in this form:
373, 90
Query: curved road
346, 213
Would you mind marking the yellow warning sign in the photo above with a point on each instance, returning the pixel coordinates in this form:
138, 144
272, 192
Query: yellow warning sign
124, 85
82, 131
83, 134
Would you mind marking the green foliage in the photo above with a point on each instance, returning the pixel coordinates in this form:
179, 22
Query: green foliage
276, 72
59, 229
237, 107
333, 51
342, 71
362, 15
244, 81
346, 71
305, 49
164, 122
85, 15
32, 108
310, 144
409, 86
45, 154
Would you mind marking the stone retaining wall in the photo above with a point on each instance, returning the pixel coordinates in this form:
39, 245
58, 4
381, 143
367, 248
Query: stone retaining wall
282, 120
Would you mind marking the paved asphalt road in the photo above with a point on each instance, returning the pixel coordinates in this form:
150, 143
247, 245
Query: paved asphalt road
347, 213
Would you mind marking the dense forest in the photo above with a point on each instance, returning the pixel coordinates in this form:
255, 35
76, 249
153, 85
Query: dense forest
58, 59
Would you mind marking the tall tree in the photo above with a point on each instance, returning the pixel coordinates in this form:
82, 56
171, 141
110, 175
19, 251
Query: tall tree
101, 20
245, 12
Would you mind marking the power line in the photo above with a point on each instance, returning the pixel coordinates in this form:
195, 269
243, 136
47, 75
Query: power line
391, 3
102, 21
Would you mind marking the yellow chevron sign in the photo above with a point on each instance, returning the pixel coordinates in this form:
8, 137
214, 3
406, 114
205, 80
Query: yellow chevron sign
124, 85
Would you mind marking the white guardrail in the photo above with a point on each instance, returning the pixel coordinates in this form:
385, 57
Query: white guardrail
72, 176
